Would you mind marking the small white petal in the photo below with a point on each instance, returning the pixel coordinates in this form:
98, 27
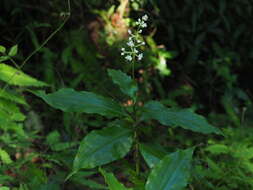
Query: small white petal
129, 31
129, 58
145, 17
144, 25
130, 43
140, 56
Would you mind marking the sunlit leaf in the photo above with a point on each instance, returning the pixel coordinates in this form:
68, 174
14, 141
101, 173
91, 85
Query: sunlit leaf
2, 49
5, 157
13, 51
12, 97
218, 149
10, 111
4, 188
13, 76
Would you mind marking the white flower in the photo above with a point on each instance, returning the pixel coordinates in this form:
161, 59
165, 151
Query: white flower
129, 58
144, 25
140, 56
145, 17
132, 53
130, 43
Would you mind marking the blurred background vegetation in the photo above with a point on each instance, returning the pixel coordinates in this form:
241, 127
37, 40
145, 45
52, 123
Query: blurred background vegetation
198, 55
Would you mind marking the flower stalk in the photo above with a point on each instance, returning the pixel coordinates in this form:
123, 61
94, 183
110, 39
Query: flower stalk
133, 54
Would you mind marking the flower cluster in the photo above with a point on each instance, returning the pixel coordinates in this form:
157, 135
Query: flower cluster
134, 41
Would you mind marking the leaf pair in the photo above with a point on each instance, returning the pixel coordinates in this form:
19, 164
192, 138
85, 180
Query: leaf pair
69, 100
170, 173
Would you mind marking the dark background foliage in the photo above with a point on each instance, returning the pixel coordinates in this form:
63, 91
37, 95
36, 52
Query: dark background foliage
207, 47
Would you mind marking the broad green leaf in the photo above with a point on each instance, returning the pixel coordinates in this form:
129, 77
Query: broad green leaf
13, 76
5, 157
174, 118
2, 49
172, 172
12, 97
152, 154
112, 181
125, 82
69, 100
103, 146
13, 51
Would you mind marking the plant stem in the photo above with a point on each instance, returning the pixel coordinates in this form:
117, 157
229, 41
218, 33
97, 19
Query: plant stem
136, 135
136, 154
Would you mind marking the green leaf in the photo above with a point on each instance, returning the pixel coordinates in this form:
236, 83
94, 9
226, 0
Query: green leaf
4, 58
103, 146
13, 76
69, 100
152, 153
4, 188
218, 149
126, 84
53, 138
174, 118
13, 51
112, 181
50, 186
2, 49
4, 156
12, 97
63, 146
81, 178
172, 172
10, 111
91, 184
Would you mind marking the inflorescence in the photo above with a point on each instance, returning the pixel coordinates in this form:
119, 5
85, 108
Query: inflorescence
134, 41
